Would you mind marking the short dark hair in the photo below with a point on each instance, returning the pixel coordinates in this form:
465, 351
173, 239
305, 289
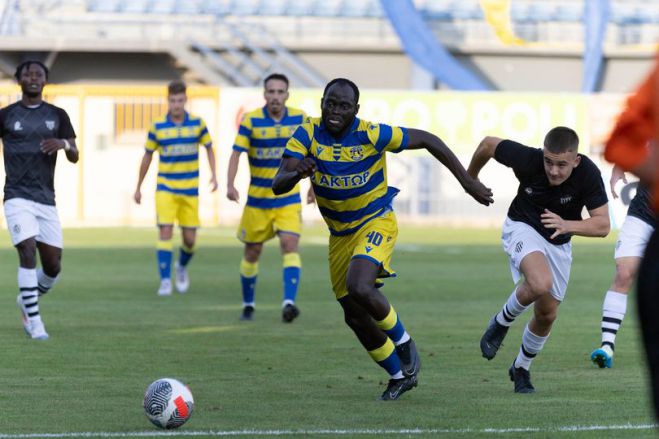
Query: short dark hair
561, 139
176, 87
343, 81
26, 65
277, 76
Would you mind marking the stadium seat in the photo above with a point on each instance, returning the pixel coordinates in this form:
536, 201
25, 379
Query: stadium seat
273, 7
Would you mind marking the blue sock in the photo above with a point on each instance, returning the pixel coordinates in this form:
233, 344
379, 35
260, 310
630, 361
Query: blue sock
184, 255
164, 254
248, 275
291, 274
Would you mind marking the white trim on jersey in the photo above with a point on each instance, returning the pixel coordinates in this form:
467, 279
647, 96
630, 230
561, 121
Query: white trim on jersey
29, 219
519, 239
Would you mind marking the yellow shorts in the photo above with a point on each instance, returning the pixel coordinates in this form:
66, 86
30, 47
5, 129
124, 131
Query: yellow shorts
173, 208
259, 225
374, 241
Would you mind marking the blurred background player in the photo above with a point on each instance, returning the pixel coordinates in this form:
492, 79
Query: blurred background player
176, 136
555, 184
263, 134
345, 159
32, 132
630, 246
632, 146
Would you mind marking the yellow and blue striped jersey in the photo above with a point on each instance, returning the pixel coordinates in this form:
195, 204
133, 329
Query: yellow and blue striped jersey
264, 139
178, 148
350, 181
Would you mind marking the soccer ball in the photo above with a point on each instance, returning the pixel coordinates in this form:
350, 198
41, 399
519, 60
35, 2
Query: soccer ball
168, 403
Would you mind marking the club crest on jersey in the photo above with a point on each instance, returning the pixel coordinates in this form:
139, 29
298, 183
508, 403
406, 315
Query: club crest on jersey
18, 126
319, 150
50, 124
356, 153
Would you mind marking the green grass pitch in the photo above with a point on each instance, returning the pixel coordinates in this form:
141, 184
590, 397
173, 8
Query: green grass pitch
111, 336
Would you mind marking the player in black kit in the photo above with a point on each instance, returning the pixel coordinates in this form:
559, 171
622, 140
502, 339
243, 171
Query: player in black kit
630, 246
33, 131
555, 183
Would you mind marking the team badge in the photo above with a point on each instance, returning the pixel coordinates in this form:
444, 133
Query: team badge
18, 126
356, 153
50, 124
319, 150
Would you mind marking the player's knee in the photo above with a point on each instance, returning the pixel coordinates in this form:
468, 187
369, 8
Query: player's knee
540, 286
27, 253
52, 268
546, 317
252, 253
624, 274
359, 289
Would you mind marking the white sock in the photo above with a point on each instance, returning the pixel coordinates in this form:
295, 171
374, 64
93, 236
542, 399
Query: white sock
27, 284
531, 345
404, 339
511, 310
45, 282
613, 311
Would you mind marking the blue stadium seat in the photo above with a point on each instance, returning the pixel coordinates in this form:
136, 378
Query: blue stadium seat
215, 7
273, 7
438, 10
104, 5
161, 7
245, 7
133, 6
569, 12
188, 7
298, 8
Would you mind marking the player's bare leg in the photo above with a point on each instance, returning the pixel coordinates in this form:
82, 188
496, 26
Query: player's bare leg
394, 341
288, 243
51, 265
249, 270
614, 309
537, 283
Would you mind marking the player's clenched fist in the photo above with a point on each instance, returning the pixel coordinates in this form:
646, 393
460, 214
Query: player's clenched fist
306, 167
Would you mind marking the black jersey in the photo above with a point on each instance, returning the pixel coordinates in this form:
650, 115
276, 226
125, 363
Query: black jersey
584, 187
641, 206
30, 173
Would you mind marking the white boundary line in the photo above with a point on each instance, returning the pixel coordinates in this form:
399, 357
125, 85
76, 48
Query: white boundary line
374, 432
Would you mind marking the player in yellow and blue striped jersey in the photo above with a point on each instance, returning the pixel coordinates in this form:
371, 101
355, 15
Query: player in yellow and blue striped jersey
344, 157
176, 136
263, 134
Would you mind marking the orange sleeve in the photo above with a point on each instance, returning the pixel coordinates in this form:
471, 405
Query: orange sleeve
636, 125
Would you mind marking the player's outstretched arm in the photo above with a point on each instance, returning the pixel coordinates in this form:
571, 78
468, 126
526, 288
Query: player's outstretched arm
290, 172
484, 152
422, 139
144, 167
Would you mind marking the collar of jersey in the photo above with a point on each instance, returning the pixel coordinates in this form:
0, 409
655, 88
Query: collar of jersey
355, 124
186, 117
267, 115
